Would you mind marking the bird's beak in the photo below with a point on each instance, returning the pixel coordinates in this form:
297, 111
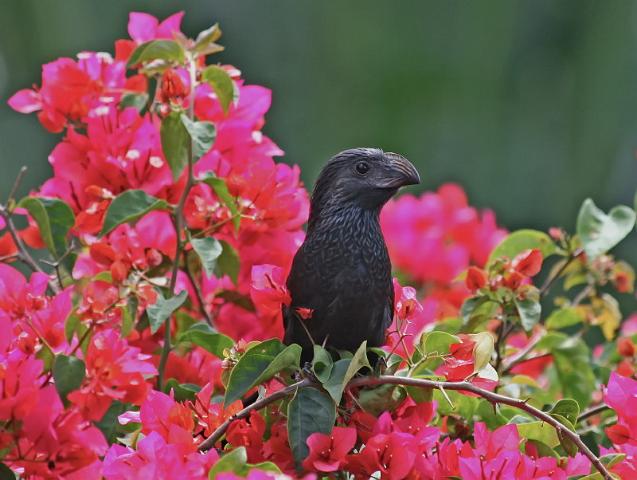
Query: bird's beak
401, 172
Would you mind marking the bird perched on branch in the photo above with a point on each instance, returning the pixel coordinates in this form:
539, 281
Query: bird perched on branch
340, 282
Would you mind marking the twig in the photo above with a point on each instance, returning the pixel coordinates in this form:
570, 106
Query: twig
492, 397
179, 223
582, 294
591, 412
520, 356
369, 381
16, 185
209, 442
200, 299
549, 281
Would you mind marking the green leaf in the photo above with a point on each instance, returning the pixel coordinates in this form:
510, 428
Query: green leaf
567, 408
167, 50
221, 83
129, 315
599, 232
205, 42
202, 135
206, 337
540, 431
476, 311
163, 309
386, 398
530, 312
572, 362
310, 411
54, 219
234, 461
70, 326
562, 318
68, 373
182, 391
228, 262
522, 240
109, 423
344, 370
134, 100
258, 364
175, 142
221, 190
438, 342
209, 249
6, 473
128, 207
322, 364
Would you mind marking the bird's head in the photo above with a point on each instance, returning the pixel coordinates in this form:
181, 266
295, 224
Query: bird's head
362, 177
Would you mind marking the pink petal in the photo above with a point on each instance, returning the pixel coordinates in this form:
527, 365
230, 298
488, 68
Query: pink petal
142, 26
25, 101
170, 25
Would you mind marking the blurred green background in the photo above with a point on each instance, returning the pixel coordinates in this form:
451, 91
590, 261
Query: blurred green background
530, 105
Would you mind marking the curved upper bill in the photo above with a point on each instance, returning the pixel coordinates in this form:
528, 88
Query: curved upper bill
400, 173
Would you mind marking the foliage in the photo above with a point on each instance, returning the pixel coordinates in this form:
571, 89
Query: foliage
164, 237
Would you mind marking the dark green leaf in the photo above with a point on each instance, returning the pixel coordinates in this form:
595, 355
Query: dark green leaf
202, 135
129, 315
228, 262
344, 370
237, 298
203, 335
599, 232
109, 423
310, 411
221, 83
54, 219
530, 312
70, 326
322, 364
128, 207
258, 364
6, 473
221, 190
181, 391
163, 309
68, 373
167, 50
135, 100
386, 398
175, 142
209, 249
522, 240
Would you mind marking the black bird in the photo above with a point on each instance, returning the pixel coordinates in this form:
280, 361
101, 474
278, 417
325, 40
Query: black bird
341, 275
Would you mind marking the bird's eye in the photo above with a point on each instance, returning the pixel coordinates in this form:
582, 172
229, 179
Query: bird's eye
362, 167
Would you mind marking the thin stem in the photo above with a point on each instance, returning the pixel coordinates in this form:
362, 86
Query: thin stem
16, 185
209, 442
179, 222
520, 356
551, 279
200, 299
492, 397
591, 412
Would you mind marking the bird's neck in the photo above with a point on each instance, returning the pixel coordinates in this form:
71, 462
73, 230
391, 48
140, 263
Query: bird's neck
344, 218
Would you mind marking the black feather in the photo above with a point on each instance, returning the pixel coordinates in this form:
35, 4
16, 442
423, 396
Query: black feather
342, 272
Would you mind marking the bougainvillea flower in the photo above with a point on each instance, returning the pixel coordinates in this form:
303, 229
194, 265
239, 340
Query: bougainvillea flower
328, 452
